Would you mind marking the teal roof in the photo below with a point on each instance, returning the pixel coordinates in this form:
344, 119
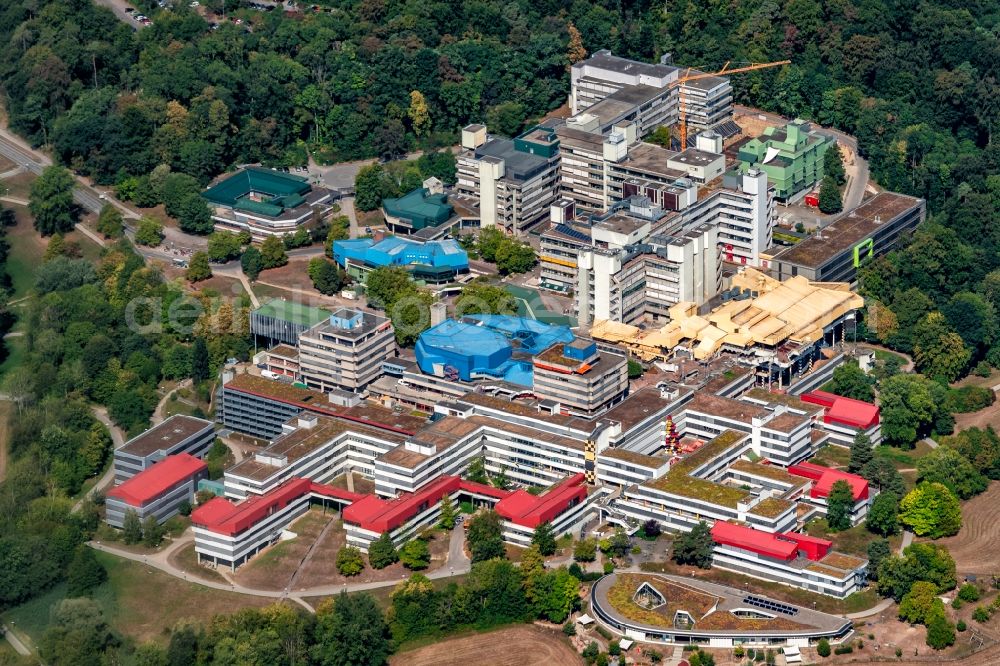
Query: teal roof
270, 184
420, 208
290, 311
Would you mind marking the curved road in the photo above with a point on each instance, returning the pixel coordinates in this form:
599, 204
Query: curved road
453, 567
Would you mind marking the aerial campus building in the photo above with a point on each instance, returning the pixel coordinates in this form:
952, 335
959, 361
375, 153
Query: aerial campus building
429, 261
346, 351
688, 611
158, 491
266, 202
425, 213
514, 180
281, 322
541, 359
677, 456
176, 434
792, 157
836, 252
777, 328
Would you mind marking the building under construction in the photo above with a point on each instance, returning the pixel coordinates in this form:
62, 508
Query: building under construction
777, 328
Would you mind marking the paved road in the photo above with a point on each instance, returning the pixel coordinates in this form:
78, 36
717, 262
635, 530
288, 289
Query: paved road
157, 416
117, 7
15, 642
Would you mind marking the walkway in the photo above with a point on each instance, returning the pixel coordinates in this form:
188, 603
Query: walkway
118, 440
885, 603
161, 560
15, 642
157, 416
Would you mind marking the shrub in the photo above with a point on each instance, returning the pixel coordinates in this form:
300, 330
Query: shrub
653, 655
614, 649
843, 649
981, 615
899, 653
961, 626
956, 603
605, 634
968, 399
350, 561
608, 568
569, 628
823, 648
968, 592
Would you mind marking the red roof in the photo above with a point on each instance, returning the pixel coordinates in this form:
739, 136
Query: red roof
483, 489
824, 478
523, 508
812, 547
846, 411
157, 479
378, 515
335, 493
762, 543
246, 514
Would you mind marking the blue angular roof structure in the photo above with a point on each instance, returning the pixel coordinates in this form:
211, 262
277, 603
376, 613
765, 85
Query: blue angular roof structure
483, 346
396, 251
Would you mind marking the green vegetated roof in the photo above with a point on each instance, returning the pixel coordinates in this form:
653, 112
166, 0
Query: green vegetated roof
262, 181
290, 311
772, 507
680, 482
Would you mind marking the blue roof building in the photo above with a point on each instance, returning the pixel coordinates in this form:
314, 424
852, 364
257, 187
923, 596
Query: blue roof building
431, 261
484, 346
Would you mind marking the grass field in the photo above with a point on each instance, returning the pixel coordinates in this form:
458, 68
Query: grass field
140, 603
980, 527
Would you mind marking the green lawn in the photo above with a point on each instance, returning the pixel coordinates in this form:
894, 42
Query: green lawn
883, 355
26, 252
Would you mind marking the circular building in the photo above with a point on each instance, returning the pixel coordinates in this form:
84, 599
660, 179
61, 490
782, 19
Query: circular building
682, 611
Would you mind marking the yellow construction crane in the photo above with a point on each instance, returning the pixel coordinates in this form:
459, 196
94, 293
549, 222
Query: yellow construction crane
725, 71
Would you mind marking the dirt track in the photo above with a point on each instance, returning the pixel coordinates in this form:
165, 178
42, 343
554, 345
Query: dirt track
517, 646
971, 547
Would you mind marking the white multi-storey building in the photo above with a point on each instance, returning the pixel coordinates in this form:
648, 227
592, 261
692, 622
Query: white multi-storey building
514, 181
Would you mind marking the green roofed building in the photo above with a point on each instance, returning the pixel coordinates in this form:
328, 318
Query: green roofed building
266, 202
280, 321
791, 156
424, 212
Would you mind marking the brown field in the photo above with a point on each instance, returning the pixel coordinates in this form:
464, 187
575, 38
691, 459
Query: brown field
971, 547
515, 646
322, 568
273, 568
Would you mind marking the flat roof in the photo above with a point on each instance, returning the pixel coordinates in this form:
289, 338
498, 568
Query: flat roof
155, 480
851, 228
707, 403
650, 158
302, 441
633, 457
518, 165
604, 59
284, 351
255, 179
292, 311
173, 430
637, 407
369, 321
696, 157
786, 422
623, 223
519, 409
678, 479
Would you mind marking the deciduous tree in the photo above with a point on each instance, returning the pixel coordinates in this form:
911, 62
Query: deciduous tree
51, 201
350, 561
485, 537
931, 510
840, 503
883, 516
198, 268
382, 552
544, 537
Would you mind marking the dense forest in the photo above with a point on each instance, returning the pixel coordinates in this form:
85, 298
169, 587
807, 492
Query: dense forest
916, 82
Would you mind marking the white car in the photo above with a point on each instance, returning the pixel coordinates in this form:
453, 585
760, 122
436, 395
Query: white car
195, 4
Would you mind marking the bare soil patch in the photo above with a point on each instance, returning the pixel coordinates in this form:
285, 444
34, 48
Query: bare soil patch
972, 546
515, 646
